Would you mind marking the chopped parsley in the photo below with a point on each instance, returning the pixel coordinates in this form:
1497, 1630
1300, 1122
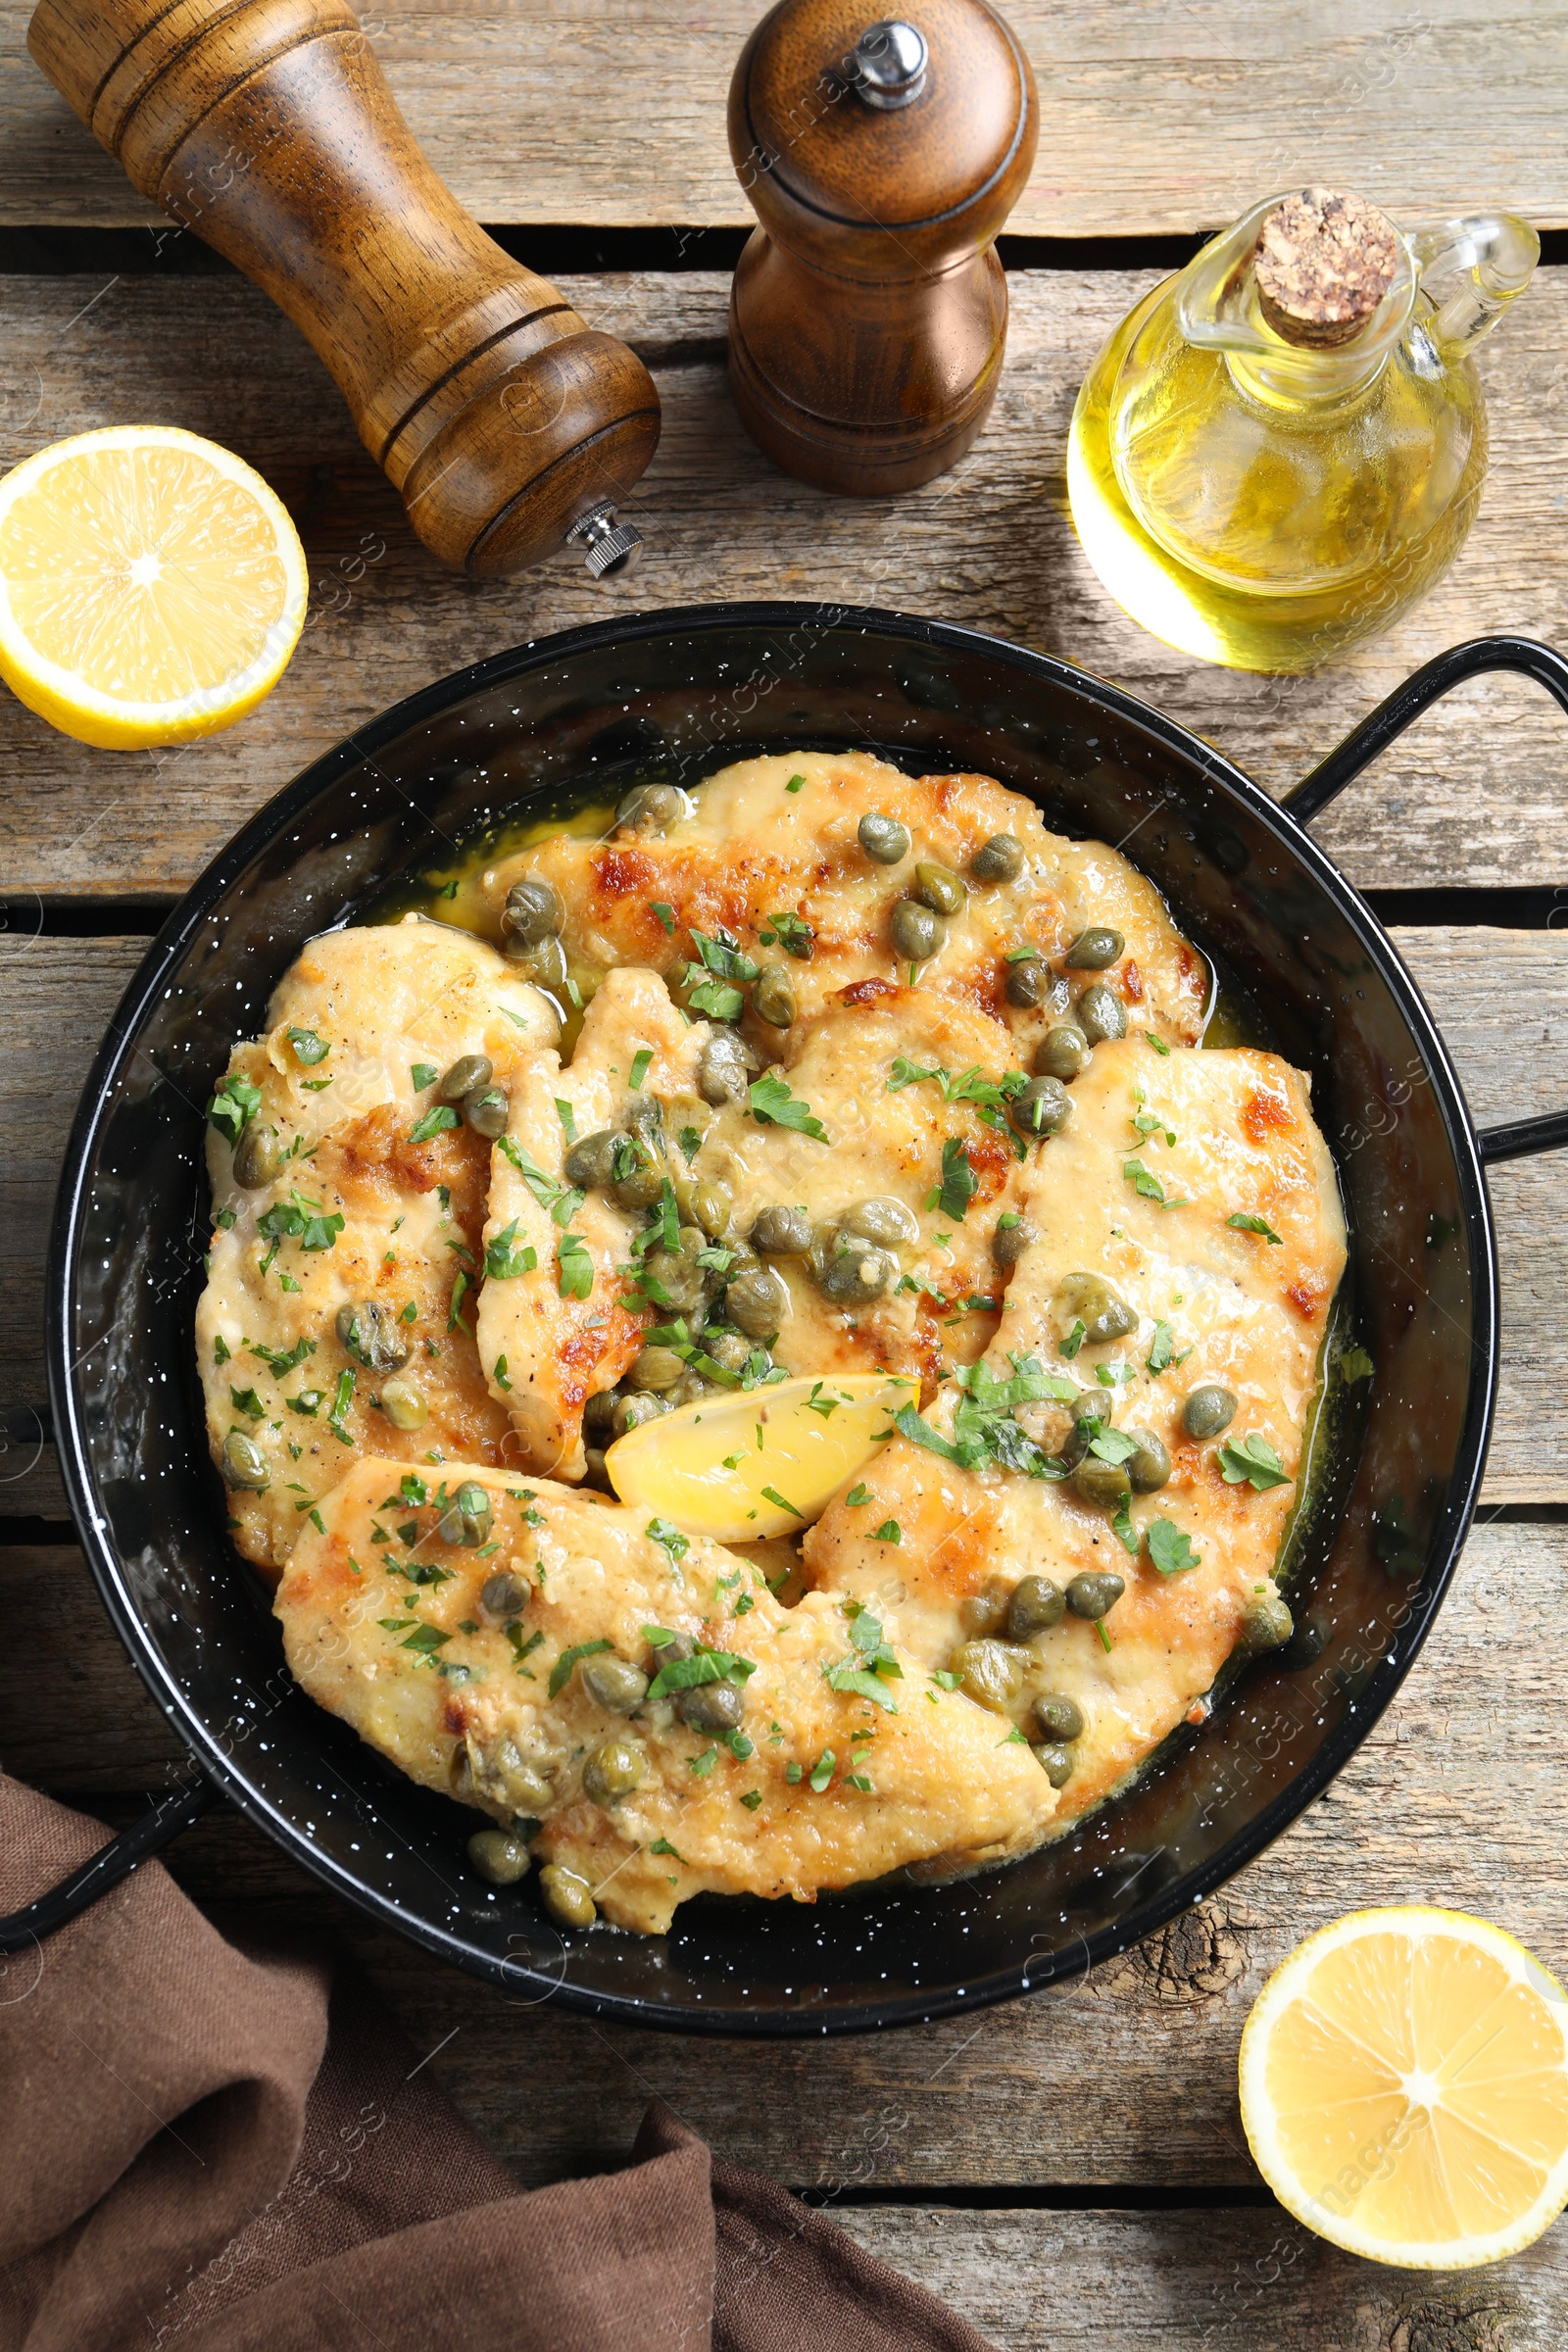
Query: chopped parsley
871, 1665
563, 1201
661, 1845
665, 914
792, 933
1169, 1547
221, 1350
691, 1142
856, 1497
502, 1259
751, 1799
772, 1105
703, 1764
246, 1401
958, 1185
822, 1769
423, 1074
233, 1106
278, 1360
499, 1374
1074, 1340
1146, 1186
567, 1118
342, 1396
771, 1495
434, 1122
705, 1665
641, 1062
984, 1428
1356, 1364
1121, 1527
308, 1046
1240, 1223
889, 1532
1159, 1044
574, 1268
1255, 1460
794, 784
669, 1539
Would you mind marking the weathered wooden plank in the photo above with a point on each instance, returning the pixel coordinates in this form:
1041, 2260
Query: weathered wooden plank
1457, 1796
1501, 996
1153, 116
1472, 795
1204, 2281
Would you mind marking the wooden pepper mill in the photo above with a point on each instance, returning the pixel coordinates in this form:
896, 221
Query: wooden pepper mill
267, 126
869, 310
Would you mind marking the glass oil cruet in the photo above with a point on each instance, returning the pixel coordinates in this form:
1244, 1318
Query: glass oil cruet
1280, 450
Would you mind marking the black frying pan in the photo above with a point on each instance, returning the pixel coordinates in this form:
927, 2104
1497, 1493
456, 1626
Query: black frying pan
692, 690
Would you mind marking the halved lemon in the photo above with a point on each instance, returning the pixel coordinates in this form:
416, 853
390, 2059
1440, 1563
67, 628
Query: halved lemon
1405, 2089
151, 587
760, 1462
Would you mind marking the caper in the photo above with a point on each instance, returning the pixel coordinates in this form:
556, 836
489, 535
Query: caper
613, 1771
654, 808
599, 1412
596, 1470
404, 1404
774, 995
1012, 1237
655, 1368
991, 1672
986, 1611
631, 1412
498, 1856
999, 860
258, 1155
244, 1464
469, 1071
853, 1273
533, 912
1061, 1052
1093, 1593
467, 1517
1055, 1761
1093, 950
1089, 1299
758, 1300
486, 1110
1059, 1716
1106, 1484
780, 1232
567, 1895
710, 1706
591, 1159
635, 1179
882, 1220
940, 888
528, 1783
1207, 1411
674, 1651
917, 933
1036, 1604
724, 1067
1029, 981
1149, 1467
730, 1352
371, 1333
504, 1595
1100, 1013
544, 963
1089, 1413
1267, 1625
644, 1118
883, 839
682, 1281
1039, 1109
711, 1208
689, 1389
615, 1684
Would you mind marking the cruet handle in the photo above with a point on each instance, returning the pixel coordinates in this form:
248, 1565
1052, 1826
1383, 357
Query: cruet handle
1471, 269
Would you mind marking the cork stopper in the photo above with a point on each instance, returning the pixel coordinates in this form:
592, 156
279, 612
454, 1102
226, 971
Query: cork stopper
1324, 262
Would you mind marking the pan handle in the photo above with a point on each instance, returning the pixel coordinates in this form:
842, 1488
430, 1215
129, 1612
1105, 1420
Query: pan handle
1523, 1138
107, 1866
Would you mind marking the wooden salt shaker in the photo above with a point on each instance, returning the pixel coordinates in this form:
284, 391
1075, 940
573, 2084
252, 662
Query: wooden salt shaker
869, 310
267, 126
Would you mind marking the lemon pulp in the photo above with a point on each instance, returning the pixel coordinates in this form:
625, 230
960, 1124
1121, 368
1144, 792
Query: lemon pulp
151, 586
1405, 2089
766, 1461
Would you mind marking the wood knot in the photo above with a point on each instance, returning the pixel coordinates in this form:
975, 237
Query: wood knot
1324, 262
1195, 1958
1484, 2322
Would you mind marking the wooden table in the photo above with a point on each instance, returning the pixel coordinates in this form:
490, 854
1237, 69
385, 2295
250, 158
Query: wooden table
1069, 2171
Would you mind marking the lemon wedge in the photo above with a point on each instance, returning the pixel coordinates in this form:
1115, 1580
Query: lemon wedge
760, 1462
1405, 2089
151, 587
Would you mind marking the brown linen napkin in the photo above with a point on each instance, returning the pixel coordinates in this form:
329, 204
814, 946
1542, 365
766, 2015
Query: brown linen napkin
208, 2149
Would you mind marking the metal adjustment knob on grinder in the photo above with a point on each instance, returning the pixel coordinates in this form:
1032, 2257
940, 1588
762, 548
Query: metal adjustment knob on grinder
869, 311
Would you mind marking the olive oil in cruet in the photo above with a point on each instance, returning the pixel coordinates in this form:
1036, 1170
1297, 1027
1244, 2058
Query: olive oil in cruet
1279, 450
